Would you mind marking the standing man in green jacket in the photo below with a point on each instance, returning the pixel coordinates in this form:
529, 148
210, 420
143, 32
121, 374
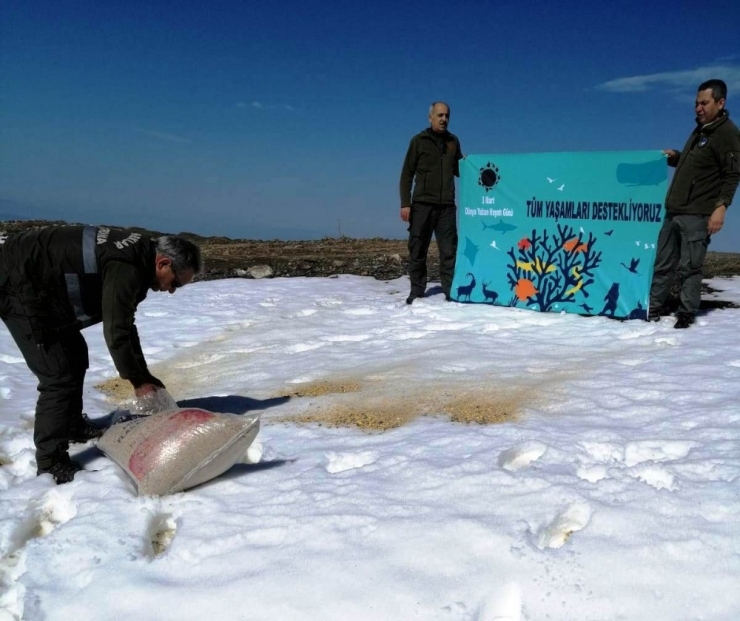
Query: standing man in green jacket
57, 280
703, 186
431, 165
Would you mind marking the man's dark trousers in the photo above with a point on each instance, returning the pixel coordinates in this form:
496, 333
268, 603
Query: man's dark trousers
442, 221
59, 363
682, 243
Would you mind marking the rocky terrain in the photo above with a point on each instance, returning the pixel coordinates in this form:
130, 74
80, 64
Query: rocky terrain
383, 259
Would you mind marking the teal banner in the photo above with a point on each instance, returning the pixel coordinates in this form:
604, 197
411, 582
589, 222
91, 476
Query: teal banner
572, 232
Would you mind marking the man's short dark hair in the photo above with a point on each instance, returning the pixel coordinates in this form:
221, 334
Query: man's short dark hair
719, 88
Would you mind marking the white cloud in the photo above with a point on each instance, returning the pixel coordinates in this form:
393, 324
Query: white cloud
162, 135
258, 105
675, 81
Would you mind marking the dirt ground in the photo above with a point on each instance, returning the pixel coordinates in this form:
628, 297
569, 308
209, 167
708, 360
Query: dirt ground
372, 408
384, 259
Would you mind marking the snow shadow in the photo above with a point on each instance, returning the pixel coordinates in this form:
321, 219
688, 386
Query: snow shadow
240, 470
232, 404
86, 455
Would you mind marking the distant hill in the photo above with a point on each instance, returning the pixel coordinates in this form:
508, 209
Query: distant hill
384, 259
18, 210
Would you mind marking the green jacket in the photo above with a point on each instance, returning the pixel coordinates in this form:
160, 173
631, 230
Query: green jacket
431, 166
71, 277
708, 169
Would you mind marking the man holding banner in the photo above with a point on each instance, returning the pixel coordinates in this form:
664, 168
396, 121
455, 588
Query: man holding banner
703, 186
431, 165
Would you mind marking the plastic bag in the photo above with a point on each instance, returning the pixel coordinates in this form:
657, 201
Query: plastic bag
172, 451
152, 403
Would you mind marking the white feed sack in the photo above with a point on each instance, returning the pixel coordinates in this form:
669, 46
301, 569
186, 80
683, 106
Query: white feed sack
171, 451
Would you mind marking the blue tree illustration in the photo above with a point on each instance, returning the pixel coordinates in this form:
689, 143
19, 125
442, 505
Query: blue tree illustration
548, 269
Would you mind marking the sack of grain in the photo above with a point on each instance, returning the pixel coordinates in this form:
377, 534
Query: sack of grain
172, 451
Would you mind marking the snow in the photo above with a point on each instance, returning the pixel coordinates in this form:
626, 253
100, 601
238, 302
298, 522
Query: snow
605, 484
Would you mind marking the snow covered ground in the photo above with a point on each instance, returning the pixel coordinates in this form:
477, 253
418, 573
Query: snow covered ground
604, 485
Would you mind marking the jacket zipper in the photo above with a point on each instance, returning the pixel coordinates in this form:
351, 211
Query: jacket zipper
441, 175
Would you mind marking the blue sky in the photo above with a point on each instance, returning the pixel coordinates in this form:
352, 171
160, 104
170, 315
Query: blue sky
291, 119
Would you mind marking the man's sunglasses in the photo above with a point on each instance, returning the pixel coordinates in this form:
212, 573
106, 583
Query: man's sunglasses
175, 284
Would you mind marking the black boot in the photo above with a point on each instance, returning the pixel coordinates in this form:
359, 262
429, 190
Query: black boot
62, 468
84, 431
683, 320
654, 313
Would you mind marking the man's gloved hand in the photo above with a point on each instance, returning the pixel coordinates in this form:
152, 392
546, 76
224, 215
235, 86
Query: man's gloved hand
151, 399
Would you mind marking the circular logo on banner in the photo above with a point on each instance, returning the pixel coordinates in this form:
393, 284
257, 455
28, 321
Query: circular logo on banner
489, 176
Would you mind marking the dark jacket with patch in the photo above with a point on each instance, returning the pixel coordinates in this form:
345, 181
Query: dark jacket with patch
708, 169
71, 277
431, 165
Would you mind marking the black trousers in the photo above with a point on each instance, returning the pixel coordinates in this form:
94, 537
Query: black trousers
440, 220
59, 364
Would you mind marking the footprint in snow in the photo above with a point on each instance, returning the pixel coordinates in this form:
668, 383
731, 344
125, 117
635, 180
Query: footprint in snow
559, 530
42, 517
339, 462
592, 474
604, 452
654, 450
12, 591
655, 476
521, 456
161, 532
